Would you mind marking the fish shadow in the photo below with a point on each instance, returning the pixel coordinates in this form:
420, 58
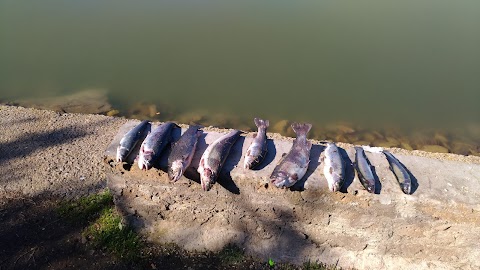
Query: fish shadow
378, 184
271, 154
162, 161
225, 178
349, 170
315, 153
191, 172
414, 181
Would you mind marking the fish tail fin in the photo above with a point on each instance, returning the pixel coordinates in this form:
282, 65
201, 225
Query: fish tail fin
301, 128
260, 123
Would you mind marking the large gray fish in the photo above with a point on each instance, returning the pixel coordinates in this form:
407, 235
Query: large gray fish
213, 158
154, 144
131, 139
401, 173
293, 166
258, 149
334, 167
365, 174
182, 152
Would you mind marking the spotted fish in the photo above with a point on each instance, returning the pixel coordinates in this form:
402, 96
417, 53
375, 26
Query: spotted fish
401, 173
131, 139
214, 157
364, 171
182, 152
334, 167
293, 166
258, 149
154, 144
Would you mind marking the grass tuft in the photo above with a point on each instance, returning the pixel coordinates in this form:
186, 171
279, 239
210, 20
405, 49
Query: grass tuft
109, 232
87, 208
231, 254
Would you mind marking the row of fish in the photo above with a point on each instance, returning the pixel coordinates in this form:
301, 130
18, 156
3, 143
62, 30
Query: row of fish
291, 168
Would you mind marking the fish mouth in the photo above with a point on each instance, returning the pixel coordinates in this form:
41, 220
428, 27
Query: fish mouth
207, 179
406, 189
120, 154
280, 180
143, 164
176, 171
335, 188
175, 175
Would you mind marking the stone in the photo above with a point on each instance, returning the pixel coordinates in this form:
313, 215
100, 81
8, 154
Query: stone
434, 148
113, 112
406, 146
462, 148
440, 139
93, 101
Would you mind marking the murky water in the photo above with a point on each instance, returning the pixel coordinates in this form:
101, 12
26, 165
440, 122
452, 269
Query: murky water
409, 66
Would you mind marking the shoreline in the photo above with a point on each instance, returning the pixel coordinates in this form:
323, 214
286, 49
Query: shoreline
63, 154
433, 140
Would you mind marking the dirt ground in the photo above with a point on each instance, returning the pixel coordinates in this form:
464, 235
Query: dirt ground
47, 157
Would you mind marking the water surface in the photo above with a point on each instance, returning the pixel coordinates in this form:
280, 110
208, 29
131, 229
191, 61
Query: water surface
412, 65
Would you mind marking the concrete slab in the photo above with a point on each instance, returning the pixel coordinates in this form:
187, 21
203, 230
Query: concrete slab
436, 227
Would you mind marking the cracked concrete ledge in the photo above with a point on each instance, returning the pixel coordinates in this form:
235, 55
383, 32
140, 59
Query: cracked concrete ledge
437, 227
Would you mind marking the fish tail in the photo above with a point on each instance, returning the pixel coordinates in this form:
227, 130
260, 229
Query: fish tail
260, 123
301, 128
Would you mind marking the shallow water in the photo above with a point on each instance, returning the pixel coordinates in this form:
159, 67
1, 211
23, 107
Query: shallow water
410, 66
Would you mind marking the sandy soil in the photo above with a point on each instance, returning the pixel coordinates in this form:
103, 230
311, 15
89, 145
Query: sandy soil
437, 227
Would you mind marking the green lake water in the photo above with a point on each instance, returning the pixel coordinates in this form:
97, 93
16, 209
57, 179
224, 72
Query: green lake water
408, 66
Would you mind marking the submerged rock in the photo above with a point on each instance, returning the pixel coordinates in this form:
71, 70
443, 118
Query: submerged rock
93, 101
406, 146
143, 110
462, 148
434, 148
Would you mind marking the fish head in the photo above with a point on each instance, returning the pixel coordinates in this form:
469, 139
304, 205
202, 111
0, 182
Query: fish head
175, 171
370, 188
406, 188
279, 179
334, 186
121, 153
249, 161
207, 177
145, 159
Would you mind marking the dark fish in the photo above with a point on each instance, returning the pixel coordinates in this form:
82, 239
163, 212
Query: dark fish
334, 167
182, 152
364, 170
258, 149
154, 144
213, 158
401, 173
293, 166
131, 139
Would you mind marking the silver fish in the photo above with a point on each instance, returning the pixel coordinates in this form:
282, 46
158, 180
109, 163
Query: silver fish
213, 158
334, 167
182, 152
365, 174
293, 166
401, 173
131, 139
154, 144
258, 149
